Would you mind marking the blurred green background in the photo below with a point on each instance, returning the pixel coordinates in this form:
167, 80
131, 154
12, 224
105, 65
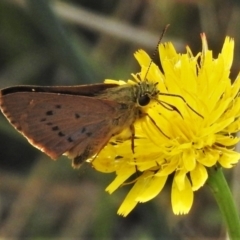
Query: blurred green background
75, 42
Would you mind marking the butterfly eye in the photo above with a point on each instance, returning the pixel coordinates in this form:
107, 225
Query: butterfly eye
144, 100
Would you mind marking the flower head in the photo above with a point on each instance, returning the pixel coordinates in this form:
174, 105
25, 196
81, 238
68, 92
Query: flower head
188, 129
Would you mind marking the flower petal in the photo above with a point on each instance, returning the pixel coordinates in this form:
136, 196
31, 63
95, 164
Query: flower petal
182, 200
198, 176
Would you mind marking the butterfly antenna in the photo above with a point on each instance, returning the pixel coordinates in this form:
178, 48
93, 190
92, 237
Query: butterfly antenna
156, 50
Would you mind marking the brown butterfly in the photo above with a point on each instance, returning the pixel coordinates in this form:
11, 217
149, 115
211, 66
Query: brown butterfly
77, 121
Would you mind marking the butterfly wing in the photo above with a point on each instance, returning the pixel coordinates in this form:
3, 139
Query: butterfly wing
60, 123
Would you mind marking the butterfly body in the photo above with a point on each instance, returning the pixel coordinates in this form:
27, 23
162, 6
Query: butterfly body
77, 121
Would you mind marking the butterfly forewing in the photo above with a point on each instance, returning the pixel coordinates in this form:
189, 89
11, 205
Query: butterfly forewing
59, 123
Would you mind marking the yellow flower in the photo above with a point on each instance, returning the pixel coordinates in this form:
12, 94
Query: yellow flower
183, 142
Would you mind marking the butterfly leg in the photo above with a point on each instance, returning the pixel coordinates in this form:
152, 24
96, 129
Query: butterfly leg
132, 129
160, 130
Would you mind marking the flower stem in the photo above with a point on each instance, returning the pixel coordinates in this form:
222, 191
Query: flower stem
220, 189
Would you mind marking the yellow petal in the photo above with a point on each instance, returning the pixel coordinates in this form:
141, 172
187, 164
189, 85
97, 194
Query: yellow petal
121, 178
168, 168
152, 189
180, 179
182, 199
209, 157
130, 201
189, 159
227, 51
198, 176
227, 141
228, 158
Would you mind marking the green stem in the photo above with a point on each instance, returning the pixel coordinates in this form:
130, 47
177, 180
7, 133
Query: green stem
223, 196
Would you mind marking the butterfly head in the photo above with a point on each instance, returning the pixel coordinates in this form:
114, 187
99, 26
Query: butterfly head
147, 91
